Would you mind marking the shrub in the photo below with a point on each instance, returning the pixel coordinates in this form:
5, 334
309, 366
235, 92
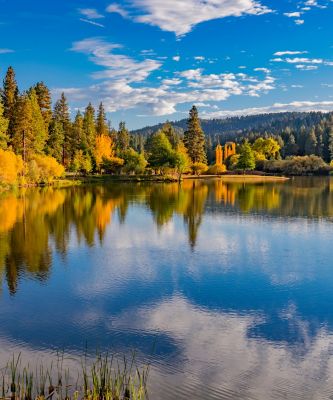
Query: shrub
11, 166
199, 168
298, 165
134, 162
47, 169
216, 169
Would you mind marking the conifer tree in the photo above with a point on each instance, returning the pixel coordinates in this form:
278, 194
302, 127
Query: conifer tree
171, 134
59, 142
101, 123
89, 128
22, 139
44, 100
194, 138
39, 130
123, 137
9, 97
4, 138
311, 143
78, 135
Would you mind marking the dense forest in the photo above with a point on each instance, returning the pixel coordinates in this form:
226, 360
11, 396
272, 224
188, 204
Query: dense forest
298, 133
40, 140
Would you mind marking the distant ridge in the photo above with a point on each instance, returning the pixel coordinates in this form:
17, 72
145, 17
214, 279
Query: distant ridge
233, 126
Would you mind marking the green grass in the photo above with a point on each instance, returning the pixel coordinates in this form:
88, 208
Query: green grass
104, 378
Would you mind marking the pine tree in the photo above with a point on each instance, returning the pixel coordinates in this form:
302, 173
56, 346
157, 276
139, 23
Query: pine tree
89, 128
22, 139
78, 134
171, 134
194, 138
60, 138
4, 138
101, 123
310, 143
44, 101
330, 142
39, 130
9, 97
123, 137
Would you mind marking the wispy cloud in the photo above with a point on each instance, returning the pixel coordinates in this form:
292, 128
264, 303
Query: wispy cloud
323, 106
125, 82
289, 52
90, 13
180, 16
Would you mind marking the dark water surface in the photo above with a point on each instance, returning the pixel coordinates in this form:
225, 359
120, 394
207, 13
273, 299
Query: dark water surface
226, 288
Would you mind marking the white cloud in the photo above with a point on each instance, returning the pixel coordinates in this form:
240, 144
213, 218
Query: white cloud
299, 21
90, 13
116, 8
116, 65
288, 52
323, 106
180, 16
295, 14
176, 58
124, 82
303, 63
199, 58
306, 67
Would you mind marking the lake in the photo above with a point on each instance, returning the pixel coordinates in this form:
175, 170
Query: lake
226, 288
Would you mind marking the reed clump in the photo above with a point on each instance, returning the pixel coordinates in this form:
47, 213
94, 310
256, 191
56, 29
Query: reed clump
106, 377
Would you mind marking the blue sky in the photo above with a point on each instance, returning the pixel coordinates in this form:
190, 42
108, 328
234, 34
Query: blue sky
150, 60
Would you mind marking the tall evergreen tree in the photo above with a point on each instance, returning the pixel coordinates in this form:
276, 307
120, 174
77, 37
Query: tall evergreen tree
171, 134
330, 143
311, 143
23, 139
101, 122
194, 138
89, 128
45, 102
4, 138
123, 137
78, 135
9, 97
39, 131
60, 138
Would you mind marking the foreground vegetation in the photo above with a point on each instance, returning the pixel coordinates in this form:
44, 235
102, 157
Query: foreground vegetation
39, 145
106, 378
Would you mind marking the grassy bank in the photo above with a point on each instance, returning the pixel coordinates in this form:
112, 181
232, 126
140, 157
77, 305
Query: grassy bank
104, 378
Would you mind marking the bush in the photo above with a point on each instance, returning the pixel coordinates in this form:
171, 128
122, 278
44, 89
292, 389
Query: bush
134, 162
216, 169
44, 169
199, 168
298, 165
11, 167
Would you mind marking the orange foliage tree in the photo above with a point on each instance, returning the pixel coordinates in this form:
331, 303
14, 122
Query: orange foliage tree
105, 152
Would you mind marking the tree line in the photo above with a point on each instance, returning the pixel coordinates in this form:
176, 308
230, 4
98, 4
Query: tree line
39, 142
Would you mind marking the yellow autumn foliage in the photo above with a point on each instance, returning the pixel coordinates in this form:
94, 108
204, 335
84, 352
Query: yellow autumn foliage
11, 166
44, 169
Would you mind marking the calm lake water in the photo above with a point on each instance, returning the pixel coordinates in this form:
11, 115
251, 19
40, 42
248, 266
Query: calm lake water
225, 287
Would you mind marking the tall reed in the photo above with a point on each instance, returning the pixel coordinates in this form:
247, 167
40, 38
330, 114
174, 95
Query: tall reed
106, 377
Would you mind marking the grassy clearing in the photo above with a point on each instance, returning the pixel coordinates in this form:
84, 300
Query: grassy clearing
105, 378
